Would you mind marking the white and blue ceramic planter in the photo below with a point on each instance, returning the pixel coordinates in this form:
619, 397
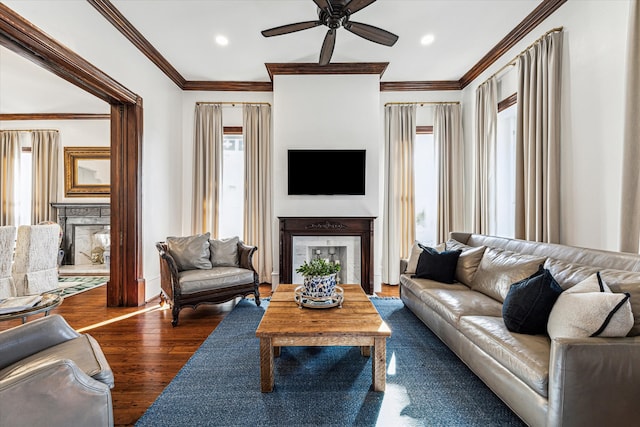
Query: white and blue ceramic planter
319, 286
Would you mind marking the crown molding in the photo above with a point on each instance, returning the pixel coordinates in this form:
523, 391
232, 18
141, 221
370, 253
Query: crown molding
420, 86
122, 24
530, 22
228, 86
331, 68
53, 116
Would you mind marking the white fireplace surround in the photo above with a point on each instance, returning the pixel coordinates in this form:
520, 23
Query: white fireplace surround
347, 252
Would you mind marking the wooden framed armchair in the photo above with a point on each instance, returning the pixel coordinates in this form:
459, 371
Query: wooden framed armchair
188, 284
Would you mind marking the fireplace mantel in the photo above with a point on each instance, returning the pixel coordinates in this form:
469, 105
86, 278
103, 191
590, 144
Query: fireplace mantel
322, 226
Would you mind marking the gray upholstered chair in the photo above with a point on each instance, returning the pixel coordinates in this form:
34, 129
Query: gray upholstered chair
195, 270
35, 267
7, 244
51, 375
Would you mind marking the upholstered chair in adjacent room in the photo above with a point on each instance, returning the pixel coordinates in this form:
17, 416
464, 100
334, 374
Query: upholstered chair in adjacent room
195, 270
35, 267
7, 243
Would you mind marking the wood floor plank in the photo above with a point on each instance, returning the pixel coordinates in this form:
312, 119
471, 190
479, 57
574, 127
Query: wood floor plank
143, 349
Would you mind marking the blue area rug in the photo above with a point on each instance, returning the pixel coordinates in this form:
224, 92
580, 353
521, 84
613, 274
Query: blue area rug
427, 385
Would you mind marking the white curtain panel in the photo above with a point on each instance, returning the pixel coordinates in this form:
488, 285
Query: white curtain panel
538, 141
9, 174
45, 154
485, 152
258, 215
207, 168
447, 134
398, 221
630, 219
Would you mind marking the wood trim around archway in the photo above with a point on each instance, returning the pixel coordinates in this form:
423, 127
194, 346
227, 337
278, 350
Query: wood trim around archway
126, 284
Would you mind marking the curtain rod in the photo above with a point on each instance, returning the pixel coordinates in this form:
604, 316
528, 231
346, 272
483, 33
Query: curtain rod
515, 59
29, 130
423, 103
233, 104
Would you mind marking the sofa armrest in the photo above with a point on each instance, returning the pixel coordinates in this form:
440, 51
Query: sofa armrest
57, 393
169, 280
594, 381
245, 256
32, 337
404, 262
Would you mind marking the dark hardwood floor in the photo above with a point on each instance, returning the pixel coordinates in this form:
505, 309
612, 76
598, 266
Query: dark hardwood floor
143, 349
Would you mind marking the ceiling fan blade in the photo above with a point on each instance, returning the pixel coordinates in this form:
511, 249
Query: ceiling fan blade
371, 33
324, 5
355, 5
290, 28
327, 47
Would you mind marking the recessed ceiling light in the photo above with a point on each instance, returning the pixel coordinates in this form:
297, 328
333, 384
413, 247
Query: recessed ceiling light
427, 39
222, 40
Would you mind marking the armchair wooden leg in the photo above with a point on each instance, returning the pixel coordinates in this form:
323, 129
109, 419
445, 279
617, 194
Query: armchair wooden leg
175, 311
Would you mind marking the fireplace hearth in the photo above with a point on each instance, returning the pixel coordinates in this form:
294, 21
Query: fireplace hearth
346, 239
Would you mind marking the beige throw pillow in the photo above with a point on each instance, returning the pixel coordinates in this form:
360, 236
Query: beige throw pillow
190, 252
590, 309
416, 250
499, 269
224, 252
468, 262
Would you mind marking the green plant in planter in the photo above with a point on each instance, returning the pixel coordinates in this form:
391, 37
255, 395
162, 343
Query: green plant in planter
317, 268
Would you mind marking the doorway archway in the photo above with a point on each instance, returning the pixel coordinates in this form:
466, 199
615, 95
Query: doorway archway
126, 285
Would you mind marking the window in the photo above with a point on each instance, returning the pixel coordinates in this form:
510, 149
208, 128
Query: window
231, 206
503, 219
425, 186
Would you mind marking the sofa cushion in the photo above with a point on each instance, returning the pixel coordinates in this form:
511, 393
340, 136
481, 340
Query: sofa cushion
525, 356
193, 281
439, 266
224, 252
416, 285
468, 262
590, 309
416, 250
529, 302
84, 351
619, 281
190, 252
453, 304
500, 268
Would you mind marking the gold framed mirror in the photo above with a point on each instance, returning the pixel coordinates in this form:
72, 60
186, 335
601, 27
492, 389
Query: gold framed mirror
87, 172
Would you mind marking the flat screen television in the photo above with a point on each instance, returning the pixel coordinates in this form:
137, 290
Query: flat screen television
326, 172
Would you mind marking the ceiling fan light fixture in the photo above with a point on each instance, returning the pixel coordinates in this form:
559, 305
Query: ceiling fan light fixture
334, 14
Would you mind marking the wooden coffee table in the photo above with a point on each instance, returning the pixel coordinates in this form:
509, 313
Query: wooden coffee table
357, 323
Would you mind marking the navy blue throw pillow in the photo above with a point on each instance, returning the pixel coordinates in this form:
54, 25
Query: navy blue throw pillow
438, 266
528, 304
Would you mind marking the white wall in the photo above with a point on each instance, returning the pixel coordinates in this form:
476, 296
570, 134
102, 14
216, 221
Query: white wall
594, 57
328, 112
81, 28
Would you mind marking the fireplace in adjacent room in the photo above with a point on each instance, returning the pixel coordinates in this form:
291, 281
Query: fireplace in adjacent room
347, 240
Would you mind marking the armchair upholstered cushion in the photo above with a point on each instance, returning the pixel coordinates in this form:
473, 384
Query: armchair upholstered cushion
192, 287
35, 267
190, 252
224, 253
51, 375
7, 243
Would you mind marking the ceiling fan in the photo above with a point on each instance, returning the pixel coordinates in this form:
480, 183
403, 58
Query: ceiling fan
335, 14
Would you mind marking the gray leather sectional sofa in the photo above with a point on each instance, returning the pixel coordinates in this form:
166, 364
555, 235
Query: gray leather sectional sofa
591, 381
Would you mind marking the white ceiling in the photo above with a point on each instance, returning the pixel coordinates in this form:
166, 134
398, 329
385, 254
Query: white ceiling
183, 31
